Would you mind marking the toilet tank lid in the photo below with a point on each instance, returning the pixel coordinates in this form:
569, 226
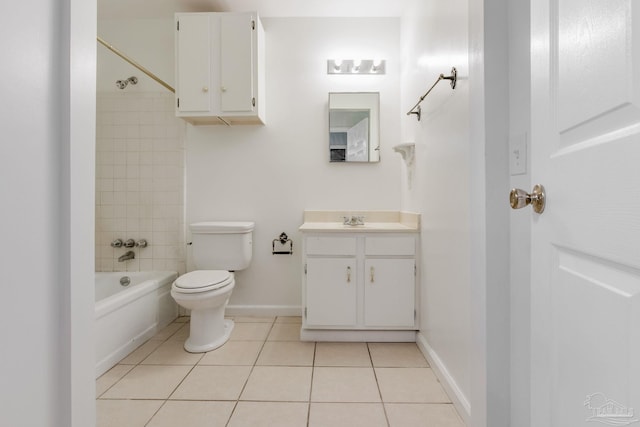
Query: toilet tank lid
222, 227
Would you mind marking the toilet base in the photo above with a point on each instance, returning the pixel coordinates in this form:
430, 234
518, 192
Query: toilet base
196, 343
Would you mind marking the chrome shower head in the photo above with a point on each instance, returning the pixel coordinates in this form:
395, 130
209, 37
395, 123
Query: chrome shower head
121, 84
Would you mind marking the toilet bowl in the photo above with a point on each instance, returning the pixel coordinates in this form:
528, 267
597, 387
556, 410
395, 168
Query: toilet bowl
218, 248
205, 293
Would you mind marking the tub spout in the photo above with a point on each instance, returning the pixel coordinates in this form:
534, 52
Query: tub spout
127, 256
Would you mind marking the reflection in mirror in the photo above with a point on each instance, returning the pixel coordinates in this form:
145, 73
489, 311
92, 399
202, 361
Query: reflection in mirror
353, 127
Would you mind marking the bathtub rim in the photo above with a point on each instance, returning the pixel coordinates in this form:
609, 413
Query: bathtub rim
109, 304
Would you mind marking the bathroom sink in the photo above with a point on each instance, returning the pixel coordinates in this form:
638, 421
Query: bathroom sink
367, 227
360, 221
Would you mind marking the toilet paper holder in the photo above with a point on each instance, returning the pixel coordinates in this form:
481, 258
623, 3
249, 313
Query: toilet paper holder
282, 245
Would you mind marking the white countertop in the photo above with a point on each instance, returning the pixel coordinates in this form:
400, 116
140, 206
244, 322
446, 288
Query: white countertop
374, 221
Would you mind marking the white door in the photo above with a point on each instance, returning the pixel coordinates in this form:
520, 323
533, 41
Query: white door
358, 142
585, 349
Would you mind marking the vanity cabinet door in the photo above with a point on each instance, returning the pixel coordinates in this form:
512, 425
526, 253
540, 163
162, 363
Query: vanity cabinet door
331, 292
389, 293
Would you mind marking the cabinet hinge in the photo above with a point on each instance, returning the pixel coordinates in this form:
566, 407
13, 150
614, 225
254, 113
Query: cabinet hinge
253, 101
305, 270
415, 314
415, 270
178, 26
178, 102
305, 312
253, 24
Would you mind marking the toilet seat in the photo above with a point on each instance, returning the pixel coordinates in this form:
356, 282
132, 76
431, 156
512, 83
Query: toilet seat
202, 281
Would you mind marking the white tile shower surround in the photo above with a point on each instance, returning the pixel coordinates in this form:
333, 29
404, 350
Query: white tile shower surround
265, 376
139, 181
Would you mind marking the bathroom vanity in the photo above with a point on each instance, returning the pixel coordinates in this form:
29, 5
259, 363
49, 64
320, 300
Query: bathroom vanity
359, 279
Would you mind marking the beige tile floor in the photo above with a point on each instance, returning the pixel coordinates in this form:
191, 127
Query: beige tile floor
265, 376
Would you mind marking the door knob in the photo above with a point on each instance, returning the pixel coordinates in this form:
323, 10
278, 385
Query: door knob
519, 198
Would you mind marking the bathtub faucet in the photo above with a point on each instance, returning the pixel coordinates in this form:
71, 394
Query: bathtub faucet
127, 256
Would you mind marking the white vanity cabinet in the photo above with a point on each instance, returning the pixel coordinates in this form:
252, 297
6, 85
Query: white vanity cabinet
219, 68
359, 286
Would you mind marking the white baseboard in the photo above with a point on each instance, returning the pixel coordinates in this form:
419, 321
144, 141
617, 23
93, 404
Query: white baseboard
460, 401
336, 335
263, 310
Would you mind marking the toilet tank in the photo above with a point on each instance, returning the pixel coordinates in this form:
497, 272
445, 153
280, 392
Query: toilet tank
222, 245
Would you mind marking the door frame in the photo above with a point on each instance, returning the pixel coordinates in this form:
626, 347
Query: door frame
490, 250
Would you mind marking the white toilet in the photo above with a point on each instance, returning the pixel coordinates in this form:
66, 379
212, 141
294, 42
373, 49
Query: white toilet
219, 248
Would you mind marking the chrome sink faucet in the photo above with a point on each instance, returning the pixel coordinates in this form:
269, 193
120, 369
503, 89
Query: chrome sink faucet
353, 220
127, 256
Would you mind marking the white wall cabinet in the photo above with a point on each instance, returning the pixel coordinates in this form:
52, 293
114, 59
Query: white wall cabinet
365, 282
219, 68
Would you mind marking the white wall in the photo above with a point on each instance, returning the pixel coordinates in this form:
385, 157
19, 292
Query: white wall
270, 174
48, 126
434, 39
149, 42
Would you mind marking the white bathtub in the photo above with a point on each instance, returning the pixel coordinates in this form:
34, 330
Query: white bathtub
127, 316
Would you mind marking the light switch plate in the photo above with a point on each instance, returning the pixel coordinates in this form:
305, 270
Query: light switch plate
518, 154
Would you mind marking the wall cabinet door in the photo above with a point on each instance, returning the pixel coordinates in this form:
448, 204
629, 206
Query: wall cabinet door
331, 292
236, 63
389, 293
193, 54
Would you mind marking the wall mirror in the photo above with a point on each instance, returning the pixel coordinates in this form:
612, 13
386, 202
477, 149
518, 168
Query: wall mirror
354, 127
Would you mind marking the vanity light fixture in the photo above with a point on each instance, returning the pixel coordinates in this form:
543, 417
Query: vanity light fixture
356, 66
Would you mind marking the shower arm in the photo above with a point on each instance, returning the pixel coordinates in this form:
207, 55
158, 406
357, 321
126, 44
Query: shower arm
135, 64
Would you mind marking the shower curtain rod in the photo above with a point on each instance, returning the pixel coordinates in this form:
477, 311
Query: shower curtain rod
453, 77
135, 64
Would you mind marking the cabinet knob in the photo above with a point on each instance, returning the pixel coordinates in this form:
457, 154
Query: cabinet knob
349, 274
224, 89
205, 89
372, 271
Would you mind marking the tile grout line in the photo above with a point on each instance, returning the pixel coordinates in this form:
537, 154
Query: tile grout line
181, 381
251, 371
313, 370
375, 375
